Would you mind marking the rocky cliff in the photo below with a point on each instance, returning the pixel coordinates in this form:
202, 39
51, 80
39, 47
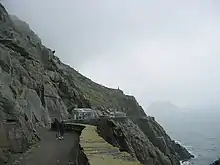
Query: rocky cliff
217, 162
36, 86
144, 139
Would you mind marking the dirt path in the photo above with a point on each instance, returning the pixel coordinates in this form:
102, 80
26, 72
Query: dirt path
51, 151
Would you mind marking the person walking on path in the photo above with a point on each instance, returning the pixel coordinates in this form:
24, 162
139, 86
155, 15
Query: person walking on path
57, 124
61, 126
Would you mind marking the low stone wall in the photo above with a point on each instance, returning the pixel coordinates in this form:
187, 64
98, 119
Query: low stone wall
78, 156
70, 127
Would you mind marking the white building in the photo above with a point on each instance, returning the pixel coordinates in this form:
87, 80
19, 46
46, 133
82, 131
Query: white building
114, 114
120, 114
84, 113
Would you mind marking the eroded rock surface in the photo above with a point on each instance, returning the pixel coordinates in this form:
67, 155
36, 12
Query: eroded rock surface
126, 135
158, 136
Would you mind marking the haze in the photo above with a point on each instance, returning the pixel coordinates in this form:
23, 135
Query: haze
155, 50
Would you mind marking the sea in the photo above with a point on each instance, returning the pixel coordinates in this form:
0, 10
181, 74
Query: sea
198, 131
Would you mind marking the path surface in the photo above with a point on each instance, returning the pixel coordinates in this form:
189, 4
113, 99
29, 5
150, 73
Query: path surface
51, 151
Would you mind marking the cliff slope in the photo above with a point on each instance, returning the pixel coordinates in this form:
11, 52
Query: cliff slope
217, 162
100, 152
36, 86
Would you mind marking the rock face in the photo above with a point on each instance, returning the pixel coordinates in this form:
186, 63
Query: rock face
217, 162
157, 135
36, 86
143, 139
128, 137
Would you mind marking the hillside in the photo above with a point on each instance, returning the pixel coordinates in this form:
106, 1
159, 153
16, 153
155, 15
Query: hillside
35, 86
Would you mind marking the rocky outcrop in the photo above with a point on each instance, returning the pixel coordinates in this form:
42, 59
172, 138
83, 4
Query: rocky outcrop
157, 135
36, 86
217, 162
145, 139
128, 137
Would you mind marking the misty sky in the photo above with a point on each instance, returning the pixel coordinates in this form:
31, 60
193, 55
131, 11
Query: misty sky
155, 50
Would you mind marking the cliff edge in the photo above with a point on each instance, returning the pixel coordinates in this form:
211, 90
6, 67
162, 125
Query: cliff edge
217, 162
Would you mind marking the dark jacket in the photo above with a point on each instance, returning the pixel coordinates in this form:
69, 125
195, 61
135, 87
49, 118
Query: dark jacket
61, 128
57, 123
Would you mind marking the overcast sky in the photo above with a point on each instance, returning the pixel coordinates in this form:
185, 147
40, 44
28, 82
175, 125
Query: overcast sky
155, 50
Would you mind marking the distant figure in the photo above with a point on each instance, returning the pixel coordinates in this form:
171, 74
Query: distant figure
61, 129
57, 123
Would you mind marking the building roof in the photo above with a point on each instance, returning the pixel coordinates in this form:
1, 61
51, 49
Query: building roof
84, 109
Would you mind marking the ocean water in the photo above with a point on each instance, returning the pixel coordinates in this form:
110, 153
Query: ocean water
198, 131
